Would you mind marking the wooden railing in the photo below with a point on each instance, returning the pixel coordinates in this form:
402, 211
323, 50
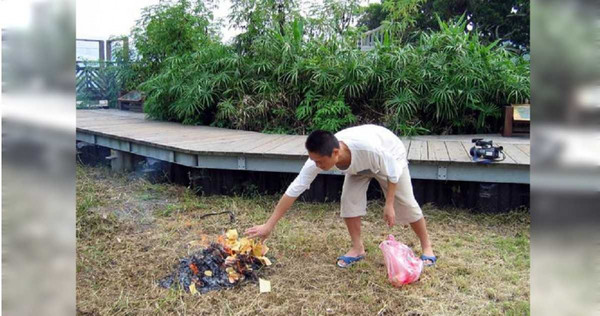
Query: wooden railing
98, 81
370, 38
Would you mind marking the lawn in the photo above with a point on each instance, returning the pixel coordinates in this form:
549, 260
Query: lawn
131, 233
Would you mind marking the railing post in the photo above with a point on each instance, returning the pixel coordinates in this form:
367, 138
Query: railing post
101, 50
109, 50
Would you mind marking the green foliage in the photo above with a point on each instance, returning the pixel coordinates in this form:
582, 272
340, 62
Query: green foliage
403, 11
305, 74
325, 113
507, 21
334, 17
372, 16
492, 20
255, 17
170, 28
122, 58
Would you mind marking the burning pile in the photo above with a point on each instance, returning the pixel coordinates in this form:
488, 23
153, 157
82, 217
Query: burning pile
223, 264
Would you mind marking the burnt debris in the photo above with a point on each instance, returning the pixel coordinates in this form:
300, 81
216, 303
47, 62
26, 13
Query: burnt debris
223, 264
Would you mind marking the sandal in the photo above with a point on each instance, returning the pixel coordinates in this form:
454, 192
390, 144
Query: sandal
348, 260
433, 259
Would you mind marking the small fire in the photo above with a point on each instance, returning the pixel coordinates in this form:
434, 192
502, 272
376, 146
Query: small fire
225, 263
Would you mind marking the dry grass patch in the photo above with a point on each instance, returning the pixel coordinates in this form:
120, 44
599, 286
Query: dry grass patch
131, 233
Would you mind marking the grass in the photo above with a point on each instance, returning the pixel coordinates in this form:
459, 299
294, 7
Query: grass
131, 233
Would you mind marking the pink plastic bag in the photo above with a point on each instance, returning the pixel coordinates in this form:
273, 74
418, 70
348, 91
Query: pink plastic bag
402, 265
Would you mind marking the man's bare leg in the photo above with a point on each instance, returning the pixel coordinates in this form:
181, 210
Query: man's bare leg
420, 229
358, 249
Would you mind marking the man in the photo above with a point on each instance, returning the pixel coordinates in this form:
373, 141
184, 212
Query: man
361, 153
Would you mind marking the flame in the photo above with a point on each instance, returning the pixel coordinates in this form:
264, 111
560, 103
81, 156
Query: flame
194, 268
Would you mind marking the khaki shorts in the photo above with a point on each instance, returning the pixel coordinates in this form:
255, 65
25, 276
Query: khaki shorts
354, 197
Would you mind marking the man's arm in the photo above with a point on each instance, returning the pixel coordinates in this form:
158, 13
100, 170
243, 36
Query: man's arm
282, 207
263, 231
300, 184
389, 213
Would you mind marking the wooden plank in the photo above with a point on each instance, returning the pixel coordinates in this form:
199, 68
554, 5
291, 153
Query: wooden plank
291, 147
406, 143
221, 141
202, 136
136, 128
171, 134
102, 120
515, 153
130, 128
233, 145
418, 150
457, 152
525, 148
437, 151
259, 147
109, 123
299, 151
110, 112
167, 138
100, 117
88, 116
294, 141
181, 138
296, 147
172, 131
267, 148
130, 132
115, 112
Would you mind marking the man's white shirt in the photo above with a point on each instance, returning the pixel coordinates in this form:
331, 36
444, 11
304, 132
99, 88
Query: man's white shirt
374, 150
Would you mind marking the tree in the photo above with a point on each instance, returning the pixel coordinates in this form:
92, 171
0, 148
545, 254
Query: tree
334, 17
504, 20
372, 16
255, 17
171, 29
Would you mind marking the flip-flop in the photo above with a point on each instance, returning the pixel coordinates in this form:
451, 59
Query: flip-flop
433, 259
348, 260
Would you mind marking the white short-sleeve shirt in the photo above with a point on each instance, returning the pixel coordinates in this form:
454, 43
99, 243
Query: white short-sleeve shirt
374, 150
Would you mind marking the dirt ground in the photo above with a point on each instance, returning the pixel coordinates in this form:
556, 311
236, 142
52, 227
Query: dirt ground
131, 233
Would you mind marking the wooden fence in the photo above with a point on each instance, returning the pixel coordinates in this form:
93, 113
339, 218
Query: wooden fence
98, 81
101, 79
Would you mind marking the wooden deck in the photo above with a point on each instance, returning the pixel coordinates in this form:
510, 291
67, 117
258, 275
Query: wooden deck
195, 145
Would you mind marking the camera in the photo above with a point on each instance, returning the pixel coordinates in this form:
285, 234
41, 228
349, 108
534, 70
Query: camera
485, 151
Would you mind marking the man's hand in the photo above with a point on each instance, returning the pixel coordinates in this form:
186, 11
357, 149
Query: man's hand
389, 215
261, 231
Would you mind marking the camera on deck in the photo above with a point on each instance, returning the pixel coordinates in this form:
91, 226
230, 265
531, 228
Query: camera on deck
485, 151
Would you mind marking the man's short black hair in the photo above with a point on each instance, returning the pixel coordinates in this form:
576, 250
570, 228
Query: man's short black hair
322, 143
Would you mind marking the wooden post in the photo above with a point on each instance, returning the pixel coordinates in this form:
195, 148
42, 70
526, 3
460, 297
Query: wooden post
124, 51
109, 50
126, 48
120, 160
508, 121
101, 50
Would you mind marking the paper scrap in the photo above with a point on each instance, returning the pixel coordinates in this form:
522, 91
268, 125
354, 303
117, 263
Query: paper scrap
193, 289
264, 285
